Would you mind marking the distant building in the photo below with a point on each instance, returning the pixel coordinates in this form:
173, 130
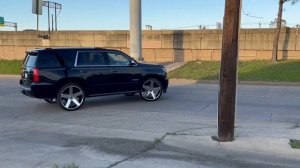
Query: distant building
148, 27
219, 25
26, 30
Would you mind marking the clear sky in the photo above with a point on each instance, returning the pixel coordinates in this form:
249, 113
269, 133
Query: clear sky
161, 14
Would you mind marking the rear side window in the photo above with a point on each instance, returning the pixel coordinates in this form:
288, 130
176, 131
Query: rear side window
30, 60
68, 57
92, 58
48, 60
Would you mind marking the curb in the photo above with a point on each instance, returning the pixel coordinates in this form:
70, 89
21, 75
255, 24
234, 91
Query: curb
264, 83
9, 76
190, 82
269, 83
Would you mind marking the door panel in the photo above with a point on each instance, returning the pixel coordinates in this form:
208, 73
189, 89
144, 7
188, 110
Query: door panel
98, 79
126, 77
93, 66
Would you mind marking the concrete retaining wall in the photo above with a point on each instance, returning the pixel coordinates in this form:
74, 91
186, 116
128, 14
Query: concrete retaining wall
159, 46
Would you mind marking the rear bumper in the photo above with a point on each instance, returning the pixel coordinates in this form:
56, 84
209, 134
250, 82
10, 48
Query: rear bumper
26, 91
40, 90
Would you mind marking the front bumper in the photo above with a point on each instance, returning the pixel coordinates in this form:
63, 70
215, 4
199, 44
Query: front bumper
165, 85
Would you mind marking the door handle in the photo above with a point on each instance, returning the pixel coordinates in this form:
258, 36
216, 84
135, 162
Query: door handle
82, 71
113, 71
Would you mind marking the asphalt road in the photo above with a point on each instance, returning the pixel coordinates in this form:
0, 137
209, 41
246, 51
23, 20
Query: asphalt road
120, 131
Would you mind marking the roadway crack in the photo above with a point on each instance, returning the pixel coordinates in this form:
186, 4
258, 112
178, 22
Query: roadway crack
296, 126
206, 106
158, 141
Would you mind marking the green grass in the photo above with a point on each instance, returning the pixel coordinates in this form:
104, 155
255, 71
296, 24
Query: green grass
283, 71
72, 165
10, 66
157, 140
295, 144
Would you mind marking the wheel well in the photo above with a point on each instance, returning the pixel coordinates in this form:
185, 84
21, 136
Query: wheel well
159, 78
77, 81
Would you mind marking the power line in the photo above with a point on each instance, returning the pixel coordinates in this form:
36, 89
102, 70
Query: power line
193, 26
249, 14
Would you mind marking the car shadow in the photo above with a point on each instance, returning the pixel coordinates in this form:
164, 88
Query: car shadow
102, 103
119, 101
168, 103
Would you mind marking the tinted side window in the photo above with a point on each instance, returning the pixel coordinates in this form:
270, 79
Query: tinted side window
92, 58
48, 60
118, 59
68, 57
30, 60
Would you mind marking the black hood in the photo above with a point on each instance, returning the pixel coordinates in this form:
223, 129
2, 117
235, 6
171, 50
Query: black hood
146, 64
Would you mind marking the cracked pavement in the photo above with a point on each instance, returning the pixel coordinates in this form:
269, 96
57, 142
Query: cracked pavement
121, 132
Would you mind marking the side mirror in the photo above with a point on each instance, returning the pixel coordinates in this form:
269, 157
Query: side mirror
133, 63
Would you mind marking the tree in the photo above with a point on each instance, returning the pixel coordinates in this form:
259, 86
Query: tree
273, 24
278, 28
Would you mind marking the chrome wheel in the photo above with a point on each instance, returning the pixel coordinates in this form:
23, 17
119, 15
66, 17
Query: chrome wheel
151, 90
71, 97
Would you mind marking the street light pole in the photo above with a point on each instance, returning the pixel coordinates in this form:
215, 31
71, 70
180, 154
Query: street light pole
136, 29
229, 71
37, 22
49, 19
54, 6
55, 17
52, 22
37, 16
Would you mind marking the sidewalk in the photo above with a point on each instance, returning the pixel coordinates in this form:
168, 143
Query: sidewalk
267, 138
173, 65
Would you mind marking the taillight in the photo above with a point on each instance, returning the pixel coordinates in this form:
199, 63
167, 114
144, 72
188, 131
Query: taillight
36, 75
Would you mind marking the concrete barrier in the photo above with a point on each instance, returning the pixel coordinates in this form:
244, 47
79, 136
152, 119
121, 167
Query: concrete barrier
159, 46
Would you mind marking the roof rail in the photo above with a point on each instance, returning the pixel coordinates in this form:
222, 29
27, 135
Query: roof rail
31, 52
43, 48
99, 48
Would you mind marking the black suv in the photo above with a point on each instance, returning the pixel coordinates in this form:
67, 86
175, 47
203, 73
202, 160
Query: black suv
69, 75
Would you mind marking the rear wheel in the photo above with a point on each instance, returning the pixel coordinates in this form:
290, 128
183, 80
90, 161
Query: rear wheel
51, 100
71, 97
151, 89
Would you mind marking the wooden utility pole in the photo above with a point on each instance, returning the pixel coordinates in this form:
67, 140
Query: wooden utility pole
228, 72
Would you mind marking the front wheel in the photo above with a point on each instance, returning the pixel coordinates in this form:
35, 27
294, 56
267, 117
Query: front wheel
71, 97
151, 90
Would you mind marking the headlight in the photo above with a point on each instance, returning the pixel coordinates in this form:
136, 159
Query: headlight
164, 69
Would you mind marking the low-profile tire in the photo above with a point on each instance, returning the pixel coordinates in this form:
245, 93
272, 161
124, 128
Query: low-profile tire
51, 100
151, 89
71, 97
